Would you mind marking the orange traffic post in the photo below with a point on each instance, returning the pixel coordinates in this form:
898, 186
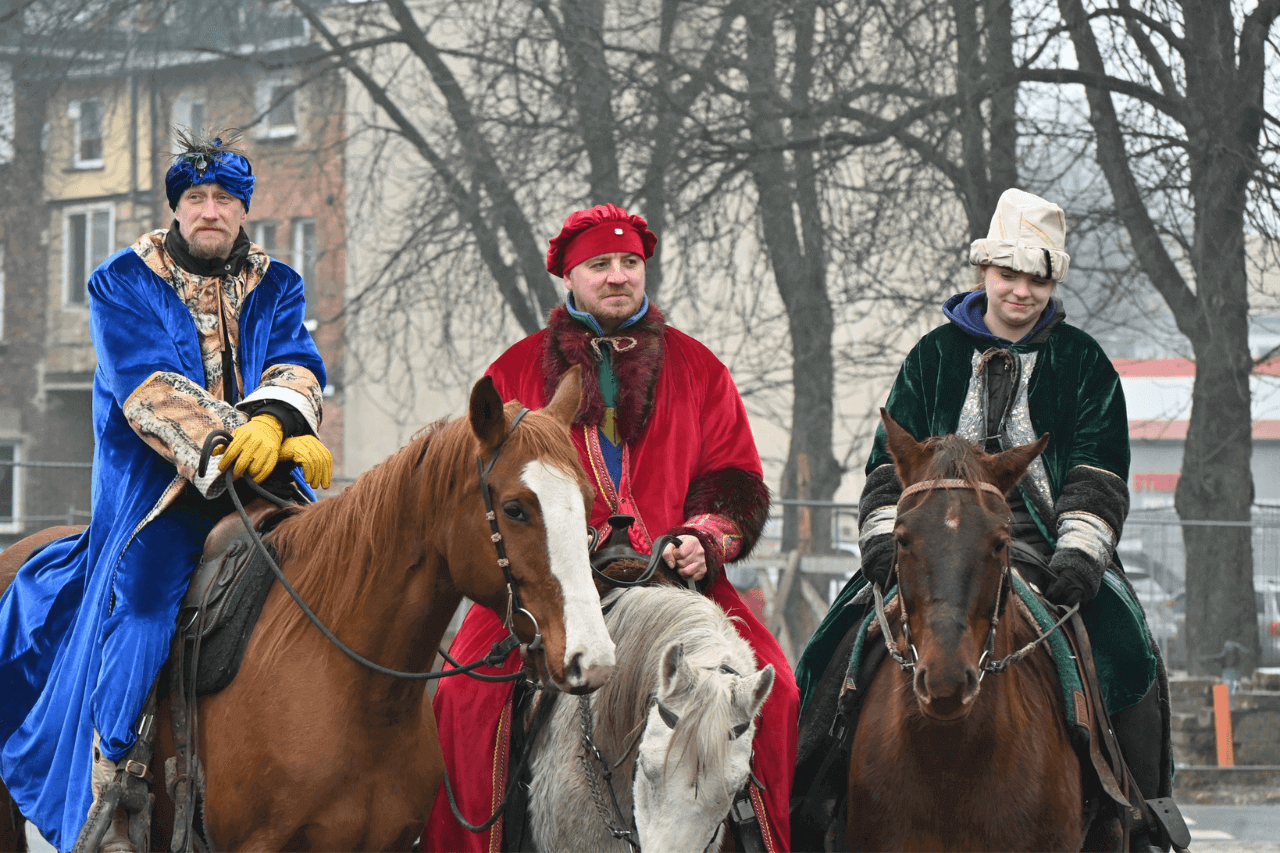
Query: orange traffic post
1222, 725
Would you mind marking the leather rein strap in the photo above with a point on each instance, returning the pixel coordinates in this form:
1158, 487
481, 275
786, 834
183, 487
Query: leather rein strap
497, 655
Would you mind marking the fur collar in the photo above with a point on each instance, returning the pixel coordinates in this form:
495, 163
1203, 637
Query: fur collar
637, 358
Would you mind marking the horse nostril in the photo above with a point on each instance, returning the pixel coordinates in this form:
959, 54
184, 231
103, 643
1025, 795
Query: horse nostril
921, 683
971, 684
573, 672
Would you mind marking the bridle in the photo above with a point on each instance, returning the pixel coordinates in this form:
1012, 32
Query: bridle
496, 656
985, 664
514, 604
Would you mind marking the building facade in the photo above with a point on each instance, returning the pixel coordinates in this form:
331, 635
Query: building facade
92, 141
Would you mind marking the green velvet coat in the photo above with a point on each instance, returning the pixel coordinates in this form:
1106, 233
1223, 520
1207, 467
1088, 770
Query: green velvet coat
1075, 395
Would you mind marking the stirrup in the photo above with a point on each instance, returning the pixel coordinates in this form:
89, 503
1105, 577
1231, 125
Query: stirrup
1167, 822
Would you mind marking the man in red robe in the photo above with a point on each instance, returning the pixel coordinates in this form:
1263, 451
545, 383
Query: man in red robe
664, 437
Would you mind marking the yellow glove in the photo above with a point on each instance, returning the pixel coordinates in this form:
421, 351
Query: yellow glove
314, 457
255, 447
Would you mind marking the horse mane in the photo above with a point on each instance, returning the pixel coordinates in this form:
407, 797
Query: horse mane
341, 550
644, 622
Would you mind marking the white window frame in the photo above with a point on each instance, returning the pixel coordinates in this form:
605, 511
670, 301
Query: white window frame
256, 230
264, 95
90, 263
297, 234
7, 117
74, 110
182, 110
15, 523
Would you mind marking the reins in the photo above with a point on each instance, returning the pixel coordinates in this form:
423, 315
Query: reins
985, 665
496, 656
599, 775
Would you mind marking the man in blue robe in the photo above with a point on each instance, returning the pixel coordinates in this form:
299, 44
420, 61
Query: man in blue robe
195, 330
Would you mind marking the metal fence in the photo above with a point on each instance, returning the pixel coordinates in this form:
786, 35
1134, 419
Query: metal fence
39, 494
1151, 550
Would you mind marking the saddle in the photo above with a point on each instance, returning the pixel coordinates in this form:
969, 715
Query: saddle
215, 619
831, 717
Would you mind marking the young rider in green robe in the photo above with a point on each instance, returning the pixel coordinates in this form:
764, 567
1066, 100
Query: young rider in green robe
1005, 369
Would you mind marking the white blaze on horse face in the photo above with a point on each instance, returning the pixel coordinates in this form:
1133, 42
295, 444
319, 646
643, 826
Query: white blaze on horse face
588, 649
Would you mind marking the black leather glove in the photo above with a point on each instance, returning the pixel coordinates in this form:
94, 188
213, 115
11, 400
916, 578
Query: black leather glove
877, 559
1075, 577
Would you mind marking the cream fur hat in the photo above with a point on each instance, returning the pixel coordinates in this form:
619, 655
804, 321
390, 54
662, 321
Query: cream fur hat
1027, 234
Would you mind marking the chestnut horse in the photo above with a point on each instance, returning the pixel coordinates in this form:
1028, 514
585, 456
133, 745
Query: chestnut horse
943, 759
307, 749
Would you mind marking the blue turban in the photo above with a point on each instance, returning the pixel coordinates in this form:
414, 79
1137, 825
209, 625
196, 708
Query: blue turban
225, 168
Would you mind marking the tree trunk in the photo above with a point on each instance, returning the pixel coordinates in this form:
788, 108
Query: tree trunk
1222, 154
800, 272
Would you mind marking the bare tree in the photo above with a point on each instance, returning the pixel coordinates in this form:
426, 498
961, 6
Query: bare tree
1176, 98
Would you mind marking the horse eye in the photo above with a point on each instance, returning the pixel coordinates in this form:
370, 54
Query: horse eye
739, 730
668, 716
999, 547
515, 512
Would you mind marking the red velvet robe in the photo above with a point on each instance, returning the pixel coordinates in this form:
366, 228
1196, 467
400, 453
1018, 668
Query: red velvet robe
690, 466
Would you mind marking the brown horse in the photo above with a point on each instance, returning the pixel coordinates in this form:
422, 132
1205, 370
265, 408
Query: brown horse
943, 759
307, 749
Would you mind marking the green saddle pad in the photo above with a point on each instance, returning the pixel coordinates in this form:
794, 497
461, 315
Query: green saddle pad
1122, 653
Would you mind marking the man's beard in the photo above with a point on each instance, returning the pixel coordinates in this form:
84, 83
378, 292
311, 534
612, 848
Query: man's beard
208, 250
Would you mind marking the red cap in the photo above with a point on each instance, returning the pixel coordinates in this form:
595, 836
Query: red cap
595, 231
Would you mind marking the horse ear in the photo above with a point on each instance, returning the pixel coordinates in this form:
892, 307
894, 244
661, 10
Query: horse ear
1008, 467
487, 419
909, 456
567, 400
672, 660
758, 687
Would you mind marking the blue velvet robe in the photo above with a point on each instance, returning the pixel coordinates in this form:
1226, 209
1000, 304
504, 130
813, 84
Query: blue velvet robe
51, 618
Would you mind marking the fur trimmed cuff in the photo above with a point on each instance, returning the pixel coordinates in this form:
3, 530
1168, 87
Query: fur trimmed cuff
877, 559
882, 489
1095, 492
740, 497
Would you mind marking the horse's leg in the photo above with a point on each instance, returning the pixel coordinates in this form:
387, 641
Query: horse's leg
12, 827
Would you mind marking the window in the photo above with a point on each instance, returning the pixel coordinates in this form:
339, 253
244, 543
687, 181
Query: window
276, 102
9, 455
306, 252
264, 234
190, 113
6, 112
196, 122
87, 115
87, 243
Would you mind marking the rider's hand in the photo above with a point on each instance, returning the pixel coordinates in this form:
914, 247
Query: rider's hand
254, 447
1074, 576
314, 457
689, 558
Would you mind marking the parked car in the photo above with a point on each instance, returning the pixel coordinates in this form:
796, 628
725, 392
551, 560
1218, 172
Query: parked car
1266, 591
1161, 606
